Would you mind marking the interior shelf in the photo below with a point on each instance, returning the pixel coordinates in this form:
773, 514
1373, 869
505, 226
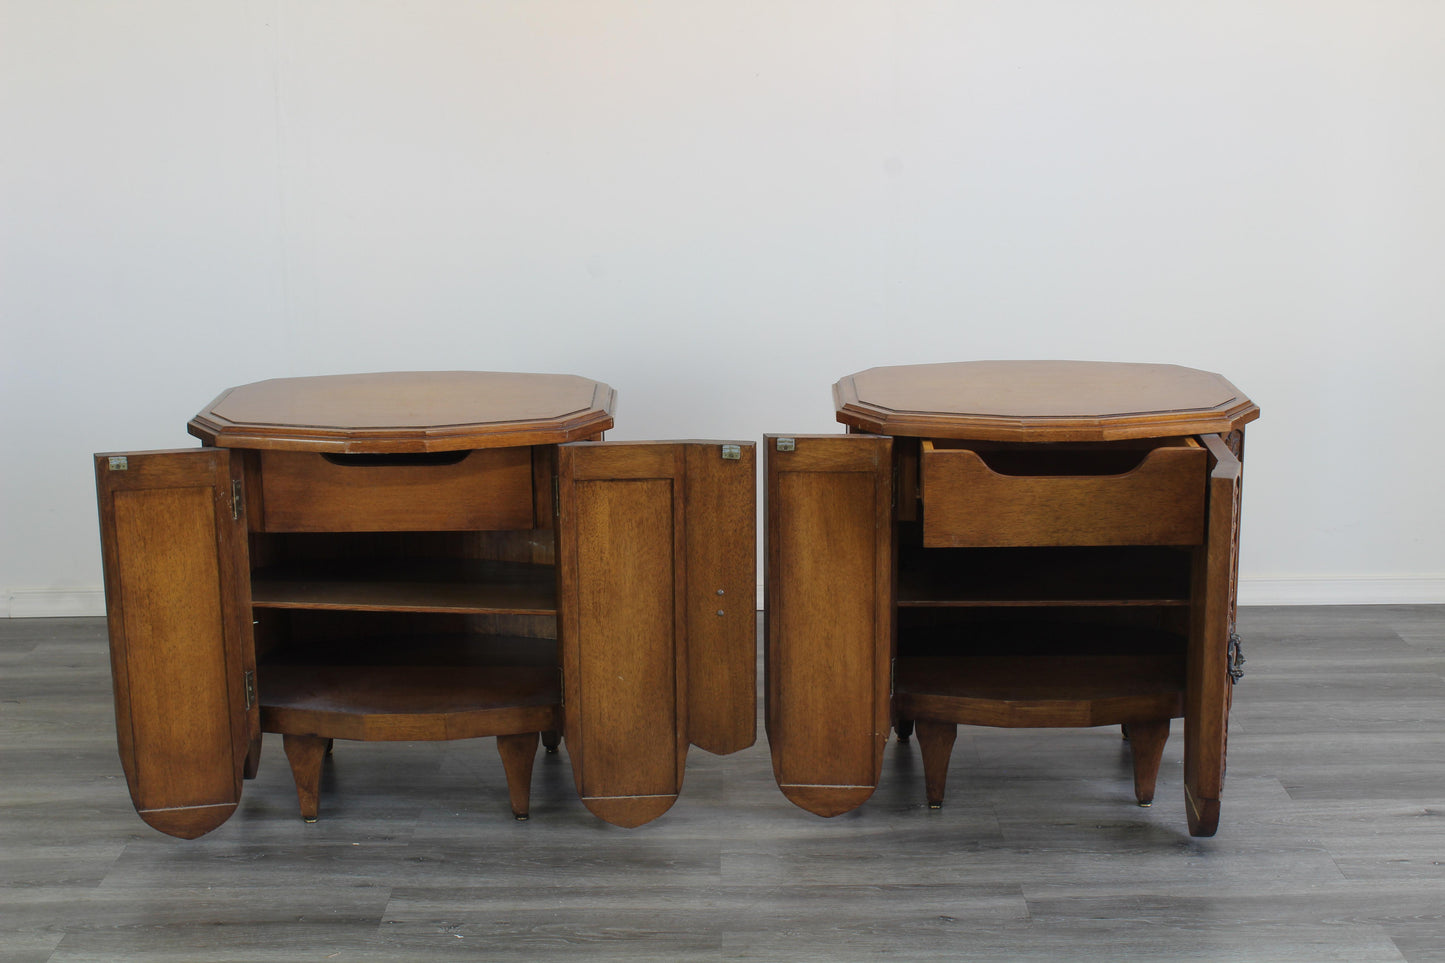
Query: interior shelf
464, 586
411, 687
404, 703
1080, 690
405, 690
1006, 577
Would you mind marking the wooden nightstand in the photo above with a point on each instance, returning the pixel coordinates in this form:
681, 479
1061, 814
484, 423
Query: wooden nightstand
1004, 544
426, 555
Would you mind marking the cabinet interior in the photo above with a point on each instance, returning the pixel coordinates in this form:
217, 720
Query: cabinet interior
1029, 623
415, 609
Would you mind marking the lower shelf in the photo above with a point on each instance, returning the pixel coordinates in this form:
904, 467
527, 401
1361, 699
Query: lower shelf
1040, 691
405, 689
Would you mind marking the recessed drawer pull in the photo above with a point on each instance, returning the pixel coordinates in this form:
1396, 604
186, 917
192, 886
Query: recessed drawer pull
405, 459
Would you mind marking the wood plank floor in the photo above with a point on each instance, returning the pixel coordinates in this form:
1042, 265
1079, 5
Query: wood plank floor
1331, 846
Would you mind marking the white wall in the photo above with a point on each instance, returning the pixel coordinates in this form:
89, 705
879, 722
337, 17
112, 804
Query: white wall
720, 207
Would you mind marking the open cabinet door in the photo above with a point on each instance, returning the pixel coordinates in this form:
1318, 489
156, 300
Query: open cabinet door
829, 584
654, 579
173, 540
722, 596
1207, 690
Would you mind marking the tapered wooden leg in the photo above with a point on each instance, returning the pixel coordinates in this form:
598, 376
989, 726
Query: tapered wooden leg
935, 743
551, 739
253, 758
518, 752
306, 754
1146, 746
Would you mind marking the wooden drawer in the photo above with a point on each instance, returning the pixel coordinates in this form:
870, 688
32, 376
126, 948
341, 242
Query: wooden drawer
486, 489
1148, 492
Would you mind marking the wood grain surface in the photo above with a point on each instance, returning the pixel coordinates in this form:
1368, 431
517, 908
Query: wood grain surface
622, 625
406, 411
829, 604
174, 555
968, 503
489, 489
1040, 401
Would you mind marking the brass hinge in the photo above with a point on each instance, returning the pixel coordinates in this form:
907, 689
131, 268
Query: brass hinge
732, 452
235, 498
556, 497
1236, 659
249, 680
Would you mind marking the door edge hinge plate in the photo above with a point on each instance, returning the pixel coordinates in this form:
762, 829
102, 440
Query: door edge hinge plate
248, 679
235, 499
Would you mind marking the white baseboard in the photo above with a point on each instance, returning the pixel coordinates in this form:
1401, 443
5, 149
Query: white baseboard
51, 603
1365, 590
1303, 590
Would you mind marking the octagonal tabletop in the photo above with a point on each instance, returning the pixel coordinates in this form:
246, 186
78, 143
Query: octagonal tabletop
406, 411
1040, 401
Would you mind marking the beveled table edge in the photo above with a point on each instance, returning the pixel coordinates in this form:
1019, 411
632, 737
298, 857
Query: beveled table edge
1040, 428
580, 424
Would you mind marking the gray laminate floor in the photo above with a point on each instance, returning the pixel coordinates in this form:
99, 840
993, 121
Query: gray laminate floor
1332, 843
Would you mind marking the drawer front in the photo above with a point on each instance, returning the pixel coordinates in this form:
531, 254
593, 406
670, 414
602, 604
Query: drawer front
977, 498
487, 489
